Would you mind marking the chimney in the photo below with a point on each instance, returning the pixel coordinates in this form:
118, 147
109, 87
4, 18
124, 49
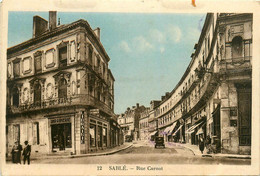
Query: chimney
40, 25
137, 105
97, 32
52, 20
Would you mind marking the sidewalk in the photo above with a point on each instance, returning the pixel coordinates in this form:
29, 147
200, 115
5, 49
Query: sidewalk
98, 153
197, 152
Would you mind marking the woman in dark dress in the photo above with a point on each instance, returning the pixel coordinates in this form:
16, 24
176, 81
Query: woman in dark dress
201, 144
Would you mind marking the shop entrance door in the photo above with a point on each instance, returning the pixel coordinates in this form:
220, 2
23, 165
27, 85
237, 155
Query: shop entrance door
216, 129
61, 136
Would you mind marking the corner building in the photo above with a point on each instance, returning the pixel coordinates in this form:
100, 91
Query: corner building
60, 90
213, 97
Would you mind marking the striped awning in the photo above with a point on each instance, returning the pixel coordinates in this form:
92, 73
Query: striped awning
169, 129
177, 130
193, 127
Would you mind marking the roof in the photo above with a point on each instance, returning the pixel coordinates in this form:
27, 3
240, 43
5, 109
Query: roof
57, 31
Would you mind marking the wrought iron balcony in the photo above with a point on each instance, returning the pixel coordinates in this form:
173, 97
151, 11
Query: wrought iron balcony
82, 99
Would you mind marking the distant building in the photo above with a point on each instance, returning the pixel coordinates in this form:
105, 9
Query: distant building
144, 125
129, 121
60, 90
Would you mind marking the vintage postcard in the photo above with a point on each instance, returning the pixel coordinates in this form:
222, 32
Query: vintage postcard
129, 88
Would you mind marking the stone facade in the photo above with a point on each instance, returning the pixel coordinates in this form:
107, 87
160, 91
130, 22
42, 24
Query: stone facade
129, 121
60, 91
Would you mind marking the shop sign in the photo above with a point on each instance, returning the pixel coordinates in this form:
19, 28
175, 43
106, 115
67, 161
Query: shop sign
82, 128
60, 120
94, 112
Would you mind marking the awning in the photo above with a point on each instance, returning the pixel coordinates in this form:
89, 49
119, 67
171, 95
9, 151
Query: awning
172, 127
177, 130
200, 131
192, 128
169, 129
152, 133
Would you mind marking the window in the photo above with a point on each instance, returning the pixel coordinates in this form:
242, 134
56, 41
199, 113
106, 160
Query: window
16, 69
37, 93
62, 91
38, 63
63, 56
25, 95
36, 138
27, 65
92, 134
90, 53
72, 51
15, 97
49, 92
237, 47
49, 58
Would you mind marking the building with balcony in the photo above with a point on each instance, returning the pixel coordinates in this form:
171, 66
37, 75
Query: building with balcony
60, 90
129, 121
213, 97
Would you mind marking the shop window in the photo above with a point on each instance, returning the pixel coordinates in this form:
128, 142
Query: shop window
99, 136
16, 69
16, 97
17, 133
62, 91
92, 134
63, 56
36, 136
237, 47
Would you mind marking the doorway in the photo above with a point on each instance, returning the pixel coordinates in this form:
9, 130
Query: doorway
61, 136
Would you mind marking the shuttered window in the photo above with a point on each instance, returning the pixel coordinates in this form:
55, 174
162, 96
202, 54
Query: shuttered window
16, 69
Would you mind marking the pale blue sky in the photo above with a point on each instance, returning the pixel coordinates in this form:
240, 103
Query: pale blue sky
149, 52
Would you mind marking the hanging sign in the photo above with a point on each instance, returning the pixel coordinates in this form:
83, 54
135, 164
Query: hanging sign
82, 128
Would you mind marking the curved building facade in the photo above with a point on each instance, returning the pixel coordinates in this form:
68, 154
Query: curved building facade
213, 97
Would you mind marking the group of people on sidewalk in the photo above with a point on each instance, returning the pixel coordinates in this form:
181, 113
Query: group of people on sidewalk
18, 150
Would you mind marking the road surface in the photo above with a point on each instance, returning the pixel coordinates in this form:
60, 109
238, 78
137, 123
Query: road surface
145, 153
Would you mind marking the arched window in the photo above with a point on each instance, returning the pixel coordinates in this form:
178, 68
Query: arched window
62, 92
15, 97
37, 93
237, 47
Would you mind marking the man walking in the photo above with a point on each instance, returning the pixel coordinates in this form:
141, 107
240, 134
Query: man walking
26, 153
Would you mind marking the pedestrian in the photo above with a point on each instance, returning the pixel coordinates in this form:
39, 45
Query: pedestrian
208, 144
201, 144
14, 151
26, 152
